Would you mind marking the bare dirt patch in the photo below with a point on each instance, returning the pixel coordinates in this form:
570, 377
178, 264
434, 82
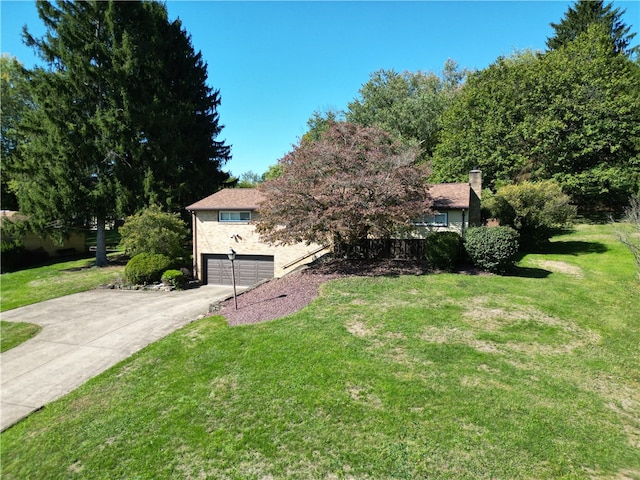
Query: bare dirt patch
359, 329
560, 267
497, 317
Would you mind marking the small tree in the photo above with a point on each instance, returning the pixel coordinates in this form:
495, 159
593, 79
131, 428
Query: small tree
628, 231
353, 183
154, 231
534, 209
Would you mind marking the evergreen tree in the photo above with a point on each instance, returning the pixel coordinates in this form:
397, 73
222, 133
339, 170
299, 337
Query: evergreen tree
15, 100
586, 12
123, 118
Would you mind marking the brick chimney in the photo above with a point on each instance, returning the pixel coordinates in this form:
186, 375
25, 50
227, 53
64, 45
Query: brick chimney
475, 180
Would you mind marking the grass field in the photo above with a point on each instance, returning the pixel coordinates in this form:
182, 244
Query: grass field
37, 284
529, 376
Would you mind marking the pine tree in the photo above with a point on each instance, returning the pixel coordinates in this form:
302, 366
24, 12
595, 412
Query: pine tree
123, 118
586, 12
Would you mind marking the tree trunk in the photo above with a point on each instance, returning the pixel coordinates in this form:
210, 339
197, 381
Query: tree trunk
101, 243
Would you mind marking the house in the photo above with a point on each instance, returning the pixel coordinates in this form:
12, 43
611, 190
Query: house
72, 243
222, 222
456, 206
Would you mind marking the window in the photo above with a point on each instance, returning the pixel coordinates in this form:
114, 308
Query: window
437, 220
225, 216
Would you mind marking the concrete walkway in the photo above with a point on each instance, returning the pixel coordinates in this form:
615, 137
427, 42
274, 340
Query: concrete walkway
85, 334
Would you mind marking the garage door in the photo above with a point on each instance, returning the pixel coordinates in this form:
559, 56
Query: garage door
250, 269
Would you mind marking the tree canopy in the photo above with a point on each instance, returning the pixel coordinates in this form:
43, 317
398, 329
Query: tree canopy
123, 117
407, 105
584, 13
15, 101
572, 114
353, 182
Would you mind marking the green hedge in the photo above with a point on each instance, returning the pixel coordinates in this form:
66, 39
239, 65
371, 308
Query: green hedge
176, 278
493, 249
146, 268
442, 250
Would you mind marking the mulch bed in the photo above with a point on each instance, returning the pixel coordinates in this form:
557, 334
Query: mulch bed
285, 296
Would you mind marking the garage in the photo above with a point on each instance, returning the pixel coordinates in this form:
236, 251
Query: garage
250, 269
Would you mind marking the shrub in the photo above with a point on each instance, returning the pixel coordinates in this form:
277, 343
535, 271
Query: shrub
535, 209
442, 250
146, 268
12, 255
175, 278
154, 231
492, 248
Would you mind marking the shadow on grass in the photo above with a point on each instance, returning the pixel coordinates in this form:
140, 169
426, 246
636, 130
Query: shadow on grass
528, 272
573, 248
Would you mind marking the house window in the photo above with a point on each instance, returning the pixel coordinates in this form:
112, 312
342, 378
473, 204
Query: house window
230, 216
436, 220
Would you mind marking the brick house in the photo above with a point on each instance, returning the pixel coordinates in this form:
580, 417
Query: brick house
222, 221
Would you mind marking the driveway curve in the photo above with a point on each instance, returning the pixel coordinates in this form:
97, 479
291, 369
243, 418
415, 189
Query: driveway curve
86, 333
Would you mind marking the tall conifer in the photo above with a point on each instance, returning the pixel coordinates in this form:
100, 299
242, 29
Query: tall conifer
124, 117
587, 12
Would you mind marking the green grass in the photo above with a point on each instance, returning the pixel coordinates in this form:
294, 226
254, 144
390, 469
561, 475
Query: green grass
445, 376
37, 284
13, 334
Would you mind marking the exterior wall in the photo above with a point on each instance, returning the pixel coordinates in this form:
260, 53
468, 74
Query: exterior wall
75, 241
212, 236
455, 224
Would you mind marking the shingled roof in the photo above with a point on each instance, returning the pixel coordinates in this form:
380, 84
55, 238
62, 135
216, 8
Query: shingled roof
448, 196
230, 199
445, 196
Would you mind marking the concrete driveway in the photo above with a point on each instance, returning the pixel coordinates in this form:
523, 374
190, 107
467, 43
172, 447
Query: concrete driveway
85, 334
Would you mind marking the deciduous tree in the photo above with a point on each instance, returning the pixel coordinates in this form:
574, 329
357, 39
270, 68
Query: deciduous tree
572, 114
153, 231
407, 105
353, 183
536, 210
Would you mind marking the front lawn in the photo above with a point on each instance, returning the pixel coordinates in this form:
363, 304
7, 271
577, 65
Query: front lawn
33, 285
441, 376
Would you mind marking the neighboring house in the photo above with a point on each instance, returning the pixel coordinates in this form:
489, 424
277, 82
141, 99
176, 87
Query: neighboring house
73, 243
222, 221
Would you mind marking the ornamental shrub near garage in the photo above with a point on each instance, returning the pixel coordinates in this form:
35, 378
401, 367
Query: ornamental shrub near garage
175, 278
442, 250
146, 268
493, 249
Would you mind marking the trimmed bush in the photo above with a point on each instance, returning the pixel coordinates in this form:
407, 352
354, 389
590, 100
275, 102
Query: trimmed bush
146, 268
175, 278
442, 250
493, 249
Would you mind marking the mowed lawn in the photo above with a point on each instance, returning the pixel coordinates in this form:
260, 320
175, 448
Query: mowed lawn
36, 284
535, 375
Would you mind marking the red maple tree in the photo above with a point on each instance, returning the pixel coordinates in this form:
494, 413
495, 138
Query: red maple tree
353, 183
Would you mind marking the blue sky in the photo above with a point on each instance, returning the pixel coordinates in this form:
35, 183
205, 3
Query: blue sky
275, 63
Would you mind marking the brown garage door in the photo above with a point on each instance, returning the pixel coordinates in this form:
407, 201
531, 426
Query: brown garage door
250, 269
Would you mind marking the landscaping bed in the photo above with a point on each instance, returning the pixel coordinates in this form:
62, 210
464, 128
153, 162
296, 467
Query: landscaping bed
284, 296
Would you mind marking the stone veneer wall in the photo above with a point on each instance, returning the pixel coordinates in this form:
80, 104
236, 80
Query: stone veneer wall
212, 236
